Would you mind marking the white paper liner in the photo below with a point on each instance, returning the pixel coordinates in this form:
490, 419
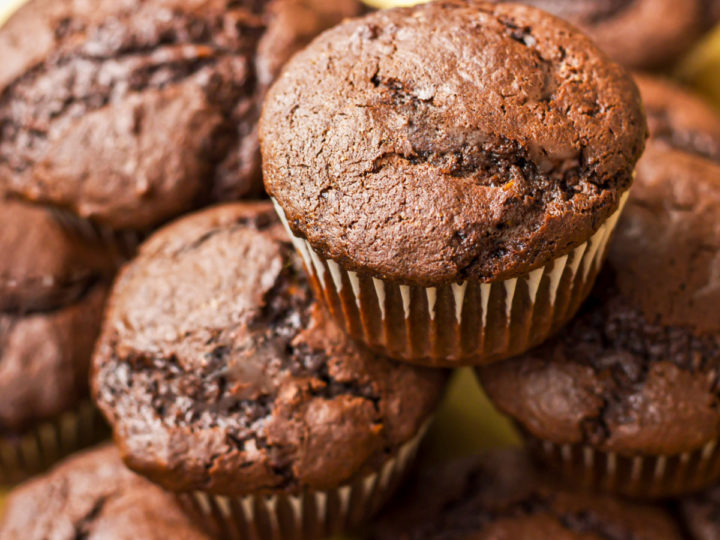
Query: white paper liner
307, 516
467, 323
49, 442
639, 476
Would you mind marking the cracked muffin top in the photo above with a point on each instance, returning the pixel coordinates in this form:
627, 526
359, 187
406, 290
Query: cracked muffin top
50, 266
449, 141
639, 369
219, 372
131, 112
639, 33
94, 496
499, 495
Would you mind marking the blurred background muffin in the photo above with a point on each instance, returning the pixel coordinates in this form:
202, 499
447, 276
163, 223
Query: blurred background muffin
129, 113
501, 495
625, 398
640, 34
53, 285
94, 496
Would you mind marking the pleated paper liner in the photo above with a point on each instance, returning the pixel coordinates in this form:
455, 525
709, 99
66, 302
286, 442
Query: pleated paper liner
467, 323
48, 442
307, 516
123, 243
637, 476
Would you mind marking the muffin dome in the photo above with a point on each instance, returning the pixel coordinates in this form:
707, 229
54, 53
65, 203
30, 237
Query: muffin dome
500, 495
132, 112
93, 495
637, 372
219, 372
481, 147
49, 266
639, 33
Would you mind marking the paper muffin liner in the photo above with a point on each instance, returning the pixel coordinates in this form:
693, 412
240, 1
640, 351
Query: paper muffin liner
46, 443
124, 243
307, 516
466, 323
638, 476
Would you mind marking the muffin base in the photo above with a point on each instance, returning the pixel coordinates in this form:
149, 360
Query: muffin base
637, 476
48, 442
458, 324
309, 515
123, 243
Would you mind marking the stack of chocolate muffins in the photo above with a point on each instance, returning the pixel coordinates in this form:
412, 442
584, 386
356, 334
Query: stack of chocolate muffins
112, 119
445, 184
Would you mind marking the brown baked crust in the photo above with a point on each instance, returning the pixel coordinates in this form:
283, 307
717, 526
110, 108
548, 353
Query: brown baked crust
701, 515
679, 119
45, 360
639, 33
218, 371
45, 266
132, 112
451, 140
638, 371
94, 496
499, 495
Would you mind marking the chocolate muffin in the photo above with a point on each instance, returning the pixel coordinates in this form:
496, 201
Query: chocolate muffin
701, 515
45, 265
94, 496
639, 33
451, 173
636, 33
225, 381
679, 119
132, 112
626, 399
499, 495
52, 290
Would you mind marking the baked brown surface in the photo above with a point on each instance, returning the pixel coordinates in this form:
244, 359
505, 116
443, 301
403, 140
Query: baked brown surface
219, 372
94, 496
499, 495
45, 265
701, 515
639, 33
45, 360
679, 119
639, 369
449, 141
131, 112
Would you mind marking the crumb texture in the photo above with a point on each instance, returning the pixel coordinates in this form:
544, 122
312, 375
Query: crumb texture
451, 140
219, 372
131, 112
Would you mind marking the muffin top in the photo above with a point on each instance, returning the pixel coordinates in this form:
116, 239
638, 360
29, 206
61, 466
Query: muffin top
49, 266
45, 359
219, 372
701, 514
130, 112
451, 140
499, 495
639, 369
639, 33
678, 119
94, 496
